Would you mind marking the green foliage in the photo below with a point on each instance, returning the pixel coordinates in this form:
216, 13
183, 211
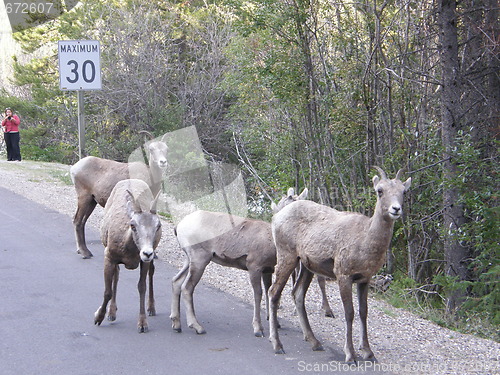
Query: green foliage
479, 194
34, 146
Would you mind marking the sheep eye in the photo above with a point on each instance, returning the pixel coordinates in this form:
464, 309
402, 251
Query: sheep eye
380, 192
132, 226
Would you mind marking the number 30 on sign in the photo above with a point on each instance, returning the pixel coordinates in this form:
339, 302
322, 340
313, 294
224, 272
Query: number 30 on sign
79, 65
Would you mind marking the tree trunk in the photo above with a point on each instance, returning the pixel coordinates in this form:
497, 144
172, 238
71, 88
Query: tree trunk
453, 213
493, 40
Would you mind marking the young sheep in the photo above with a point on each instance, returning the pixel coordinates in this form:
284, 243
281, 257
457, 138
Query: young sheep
230, 241
94, 178
325, 305
130, 232
347, 246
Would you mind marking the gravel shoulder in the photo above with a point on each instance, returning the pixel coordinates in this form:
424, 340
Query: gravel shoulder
403, 342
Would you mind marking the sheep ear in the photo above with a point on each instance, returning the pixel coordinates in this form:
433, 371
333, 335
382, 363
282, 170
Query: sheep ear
407, 184
290, 192
376, 180
152, 209
303, 195
274, 207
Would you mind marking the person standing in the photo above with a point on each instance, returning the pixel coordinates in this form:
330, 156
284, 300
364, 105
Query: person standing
10, 124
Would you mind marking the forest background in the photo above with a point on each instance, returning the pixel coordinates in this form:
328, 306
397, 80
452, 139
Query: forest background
305, 93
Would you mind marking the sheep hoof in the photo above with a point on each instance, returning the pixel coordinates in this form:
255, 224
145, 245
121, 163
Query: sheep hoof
98, 317
279, 351
259, 334
318, 348
178, 330
367, 355
329, 314
86, 254
198, 328
152, 312
142, 329
111, 318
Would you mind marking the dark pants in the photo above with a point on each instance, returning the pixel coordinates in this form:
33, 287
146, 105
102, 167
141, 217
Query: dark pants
12, 143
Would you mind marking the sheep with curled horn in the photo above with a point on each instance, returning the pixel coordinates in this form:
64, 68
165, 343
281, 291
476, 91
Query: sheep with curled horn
230, 241
94, 179
130, 233
349, 247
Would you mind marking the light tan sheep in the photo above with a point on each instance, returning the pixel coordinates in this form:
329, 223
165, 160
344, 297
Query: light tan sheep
346, 246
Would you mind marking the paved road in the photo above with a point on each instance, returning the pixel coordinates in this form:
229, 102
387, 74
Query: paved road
48, 296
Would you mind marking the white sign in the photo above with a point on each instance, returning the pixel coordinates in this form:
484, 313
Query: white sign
79, 65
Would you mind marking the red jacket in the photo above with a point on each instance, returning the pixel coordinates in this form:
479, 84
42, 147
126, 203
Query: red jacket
11, 125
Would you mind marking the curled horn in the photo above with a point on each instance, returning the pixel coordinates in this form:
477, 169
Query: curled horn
152, 209
383, 176
151, 137
400, 174
130, 198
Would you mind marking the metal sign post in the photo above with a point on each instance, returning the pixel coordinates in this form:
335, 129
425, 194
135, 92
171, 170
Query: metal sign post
79, 70
81, 125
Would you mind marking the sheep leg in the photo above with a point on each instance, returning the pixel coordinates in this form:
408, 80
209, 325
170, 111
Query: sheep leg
255, 280
267, 280
283, 271
151, 299
299, 295
325, 306
109, 271
366, 352
345, 287
112, 305
175, 309
142, 324
86, 205
295, 274
195, 272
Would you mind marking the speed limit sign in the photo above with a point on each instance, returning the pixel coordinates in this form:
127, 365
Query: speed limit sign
79, 65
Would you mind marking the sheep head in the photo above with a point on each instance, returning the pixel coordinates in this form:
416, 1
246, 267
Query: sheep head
158, 154
289, 198
390, 194
144, 226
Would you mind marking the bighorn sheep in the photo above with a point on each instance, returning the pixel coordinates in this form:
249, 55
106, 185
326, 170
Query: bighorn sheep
94, 178
230, 241
130, 232
347, 246
325, 305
